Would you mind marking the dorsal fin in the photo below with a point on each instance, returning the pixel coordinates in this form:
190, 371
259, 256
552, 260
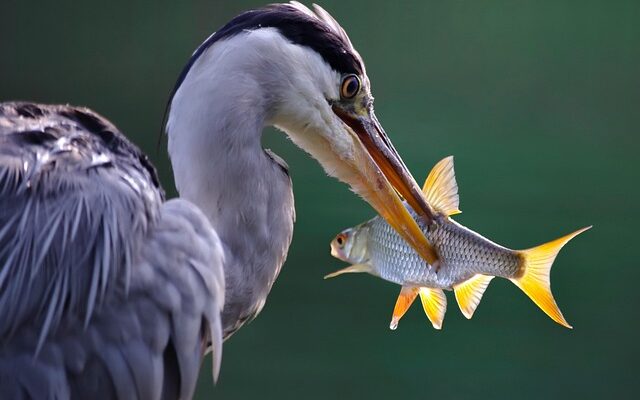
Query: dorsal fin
441, 189
469, 293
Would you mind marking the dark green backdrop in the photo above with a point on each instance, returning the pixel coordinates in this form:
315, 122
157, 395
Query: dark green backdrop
539, 101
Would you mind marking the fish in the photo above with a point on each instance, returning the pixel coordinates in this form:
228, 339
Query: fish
467, 261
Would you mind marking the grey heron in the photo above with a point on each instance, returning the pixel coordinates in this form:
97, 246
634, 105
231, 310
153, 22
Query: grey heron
109, 291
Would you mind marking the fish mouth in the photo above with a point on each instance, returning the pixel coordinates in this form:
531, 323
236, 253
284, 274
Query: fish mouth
337, 253
384, 177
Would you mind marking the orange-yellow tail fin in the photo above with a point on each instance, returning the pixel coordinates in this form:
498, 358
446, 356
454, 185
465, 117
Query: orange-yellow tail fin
535, 281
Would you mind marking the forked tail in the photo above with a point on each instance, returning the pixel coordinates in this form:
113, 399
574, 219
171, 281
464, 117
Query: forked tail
535, 281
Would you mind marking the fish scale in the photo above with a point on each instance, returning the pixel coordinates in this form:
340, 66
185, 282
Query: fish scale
463, 253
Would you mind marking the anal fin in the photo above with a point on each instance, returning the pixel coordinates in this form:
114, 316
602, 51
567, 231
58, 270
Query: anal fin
405, 299
434, 303
469, 293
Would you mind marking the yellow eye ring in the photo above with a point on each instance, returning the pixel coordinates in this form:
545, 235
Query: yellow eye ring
350, 86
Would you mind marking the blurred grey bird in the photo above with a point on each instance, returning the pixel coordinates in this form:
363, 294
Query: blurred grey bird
109, 291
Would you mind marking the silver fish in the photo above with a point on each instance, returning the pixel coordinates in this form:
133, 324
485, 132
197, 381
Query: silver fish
467, 261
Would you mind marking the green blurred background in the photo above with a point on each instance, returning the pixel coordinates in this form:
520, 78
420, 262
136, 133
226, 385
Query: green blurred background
538, 101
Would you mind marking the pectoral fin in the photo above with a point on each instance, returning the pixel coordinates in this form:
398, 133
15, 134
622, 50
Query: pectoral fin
434, 303
405, 299
350, 269
469, 293
441, 189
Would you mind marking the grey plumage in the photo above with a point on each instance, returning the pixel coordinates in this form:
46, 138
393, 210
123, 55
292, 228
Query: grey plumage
127, 290
105, 291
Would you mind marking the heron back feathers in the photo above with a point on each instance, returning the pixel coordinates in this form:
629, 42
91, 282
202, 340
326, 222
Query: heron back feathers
105, 292
76, 197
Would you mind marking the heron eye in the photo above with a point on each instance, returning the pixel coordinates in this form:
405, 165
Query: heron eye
350, 87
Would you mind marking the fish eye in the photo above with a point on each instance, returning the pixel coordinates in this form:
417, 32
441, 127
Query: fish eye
341, 239
350, 86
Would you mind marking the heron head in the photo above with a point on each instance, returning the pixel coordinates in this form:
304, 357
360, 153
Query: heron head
326, 108
299, 67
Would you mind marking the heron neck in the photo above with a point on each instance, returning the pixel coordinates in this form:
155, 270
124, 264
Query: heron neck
220, 166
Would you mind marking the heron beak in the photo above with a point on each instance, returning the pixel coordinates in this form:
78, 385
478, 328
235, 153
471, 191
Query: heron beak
385, 175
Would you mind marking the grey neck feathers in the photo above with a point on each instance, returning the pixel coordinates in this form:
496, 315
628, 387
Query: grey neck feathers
219, 165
